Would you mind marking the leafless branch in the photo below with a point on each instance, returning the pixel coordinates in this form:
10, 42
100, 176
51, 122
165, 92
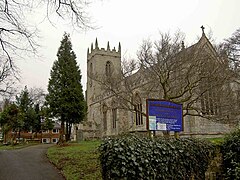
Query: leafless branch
187, 75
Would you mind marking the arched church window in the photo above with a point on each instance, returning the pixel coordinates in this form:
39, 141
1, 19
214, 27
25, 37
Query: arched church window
138, 110
114, 113
209, 100
108, 68
104, 117
91, 73
114, 118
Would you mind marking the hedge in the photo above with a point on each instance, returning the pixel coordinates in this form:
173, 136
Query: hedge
231, 155
132, 157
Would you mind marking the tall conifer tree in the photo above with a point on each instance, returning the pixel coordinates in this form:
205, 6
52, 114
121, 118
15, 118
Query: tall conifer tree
27, 114
65, 95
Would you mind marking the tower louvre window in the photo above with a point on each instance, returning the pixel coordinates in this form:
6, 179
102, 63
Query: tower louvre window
108, 68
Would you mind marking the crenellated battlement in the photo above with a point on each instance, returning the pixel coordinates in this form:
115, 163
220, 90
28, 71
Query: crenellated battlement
102, 51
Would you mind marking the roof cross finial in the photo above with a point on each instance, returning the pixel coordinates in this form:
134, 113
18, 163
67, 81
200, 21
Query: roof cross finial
202, 27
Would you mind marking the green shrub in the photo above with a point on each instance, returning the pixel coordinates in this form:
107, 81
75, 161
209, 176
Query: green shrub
231, 155
132, 157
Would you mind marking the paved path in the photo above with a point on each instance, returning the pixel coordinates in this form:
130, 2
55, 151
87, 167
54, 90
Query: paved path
29, 163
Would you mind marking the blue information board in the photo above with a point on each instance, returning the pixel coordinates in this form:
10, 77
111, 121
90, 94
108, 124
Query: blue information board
164, 115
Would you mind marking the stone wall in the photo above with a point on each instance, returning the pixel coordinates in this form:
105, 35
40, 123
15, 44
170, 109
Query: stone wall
198, 127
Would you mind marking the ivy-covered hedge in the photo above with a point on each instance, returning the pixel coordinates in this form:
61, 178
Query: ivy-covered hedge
132, 157
231, 155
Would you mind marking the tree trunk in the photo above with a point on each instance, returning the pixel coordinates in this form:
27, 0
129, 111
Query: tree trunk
61, 138
68, 131
14, 138
19, 134
5, 137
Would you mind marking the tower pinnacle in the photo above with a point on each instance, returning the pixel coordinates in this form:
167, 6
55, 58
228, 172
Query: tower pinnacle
108, 46
119, 47
91, 47
96, 44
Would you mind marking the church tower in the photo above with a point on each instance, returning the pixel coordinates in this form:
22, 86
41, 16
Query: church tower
101, 63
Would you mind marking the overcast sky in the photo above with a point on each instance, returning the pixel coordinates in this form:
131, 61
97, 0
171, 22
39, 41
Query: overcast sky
129, 22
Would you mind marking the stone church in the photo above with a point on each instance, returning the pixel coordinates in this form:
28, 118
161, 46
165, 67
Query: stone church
106, 118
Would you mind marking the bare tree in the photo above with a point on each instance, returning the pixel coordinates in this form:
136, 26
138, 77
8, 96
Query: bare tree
196, 77
18, 36
8, 78
231, 49
37, 95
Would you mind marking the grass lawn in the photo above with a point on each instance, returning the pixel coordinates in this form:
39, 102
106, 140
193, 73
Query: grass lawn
216, 141
77, 160
18, 146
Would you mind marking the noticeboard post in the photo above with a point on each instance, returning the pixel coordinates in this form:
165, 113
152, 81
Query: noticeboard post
164, 115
